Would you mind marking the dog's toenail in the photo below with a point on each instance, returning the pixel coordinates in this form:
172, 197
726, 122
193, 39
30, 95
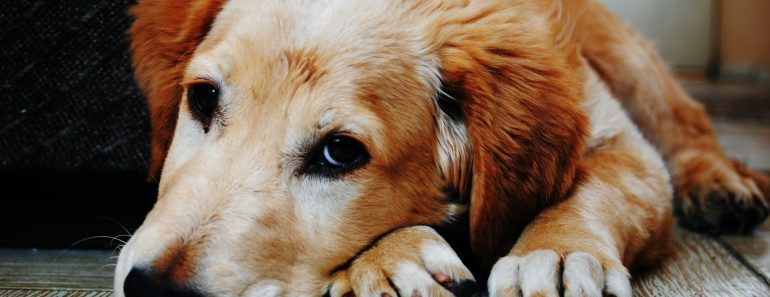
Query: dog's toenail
441, 278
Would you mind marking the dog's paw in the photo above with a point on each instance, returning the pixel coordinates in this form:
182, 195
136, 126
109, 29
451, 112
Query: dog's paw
717, 195
410, 262
547, 273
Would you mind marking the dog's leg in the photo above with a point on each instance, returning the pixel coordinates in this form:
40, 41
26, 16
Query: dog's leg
619, 214
712, 192
583, 246
412, 261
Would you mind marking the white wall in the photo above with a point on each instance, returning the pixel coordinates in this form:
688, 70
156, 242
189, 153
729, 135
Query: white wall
681, 29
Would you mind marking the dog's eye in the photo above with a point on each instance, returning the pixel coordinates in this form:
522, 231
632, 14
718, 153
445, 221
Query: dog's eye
203, 99
338, 154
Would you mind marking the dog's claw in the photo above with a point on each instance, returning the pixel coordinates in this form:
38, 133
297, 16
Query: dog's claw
413, 262
548, 273
717, 195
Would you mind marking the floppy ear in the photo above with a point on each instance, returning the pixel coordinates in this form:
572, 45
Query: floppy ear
520, 101
163, 38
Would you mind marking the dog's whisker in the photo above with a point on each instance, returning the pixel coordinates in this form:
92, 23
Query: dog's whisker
116, 251
119, 225
112, 240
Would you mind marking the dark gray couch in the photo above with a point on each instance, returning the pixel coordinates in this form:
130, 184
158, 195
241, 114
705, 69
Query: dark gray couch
74, 130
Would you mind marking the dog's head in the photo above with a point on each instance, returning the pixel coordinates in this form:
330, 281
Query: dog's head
304, 131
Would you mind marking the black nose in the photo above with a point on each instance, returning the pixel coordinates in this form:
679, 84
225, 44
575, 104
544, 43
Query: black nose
141, 283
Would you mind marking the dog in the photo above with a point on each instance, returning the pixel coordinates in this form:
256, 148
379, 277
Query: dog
416, 148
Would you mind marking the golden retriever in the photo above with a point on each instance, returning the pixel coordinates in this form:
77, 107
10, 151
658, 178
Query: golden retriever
413, 148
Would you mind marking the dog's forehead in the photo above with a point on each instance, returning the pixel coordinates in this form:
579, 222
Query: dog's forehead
308, 20
315, 36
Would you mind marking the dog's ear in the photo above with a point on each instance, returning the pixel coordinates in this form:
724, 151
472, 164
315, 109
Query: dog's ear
520, 103
163, 38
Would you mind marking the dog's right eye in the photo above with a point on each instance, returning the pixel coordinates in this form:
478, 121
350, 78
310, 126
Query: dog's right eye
203, 100
337, 155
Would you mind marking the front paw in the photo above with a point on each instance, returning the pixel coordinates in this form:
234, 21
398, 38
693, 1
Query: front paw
548, 273
718, 195
410, 262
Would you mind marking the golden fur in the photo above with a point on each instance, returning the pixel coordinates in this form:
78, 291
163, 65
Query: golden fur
542, 160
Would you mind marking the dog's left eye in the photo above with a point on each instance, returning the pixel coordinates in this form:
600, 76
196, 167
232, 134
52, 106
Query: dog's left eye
203, 99
337, 155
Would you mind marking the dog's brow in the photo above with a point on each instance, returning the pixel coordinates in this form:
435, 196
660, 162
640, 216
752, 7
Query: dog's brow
305, 65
